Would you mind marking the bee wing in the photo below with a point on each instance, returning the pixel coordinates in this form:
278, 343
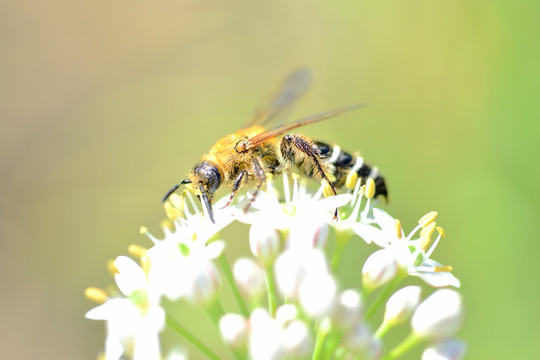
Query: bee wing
285, 95
282, 129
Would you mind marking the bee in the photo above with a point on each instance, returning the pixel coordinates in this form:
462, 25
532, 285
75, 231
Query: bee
249, 154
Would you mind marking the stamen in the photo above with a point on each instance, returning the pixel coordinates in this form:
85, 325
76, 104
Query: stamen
428, 229
370, 188
439, 269
177, 201
425, 236
441, 231
137, 251
295, 187
172, 213
96, 294
358, 195
144, 231
428, 218
111, 267
286, 188
397, 227
167, 226
350, 182
327, 188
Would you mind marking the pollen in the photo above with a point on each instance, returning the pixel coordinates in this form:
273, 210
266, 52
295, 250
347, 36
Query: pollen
327, 188
177, 201
428, 218
95, 294
166, 225
137, 251
440, 269
350, 182
425, 236
441, 231
172, 212
143, 230
370, 188
397, 227
111, 267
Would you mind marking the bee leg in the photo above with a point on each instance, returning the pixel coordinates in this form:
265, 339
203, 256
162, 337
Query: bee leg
236, 186
308, 150
261, 176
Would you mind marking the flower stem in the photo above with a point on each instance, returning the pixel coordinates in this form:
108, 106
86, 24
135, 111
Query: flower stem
342, 238
382, 297
228, 274
407, 344
271, 290
383, 329
190, 337
319, 344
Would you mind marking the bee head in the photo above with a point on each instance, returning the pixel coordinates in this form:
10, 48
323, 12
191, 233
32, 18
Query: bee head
205, 179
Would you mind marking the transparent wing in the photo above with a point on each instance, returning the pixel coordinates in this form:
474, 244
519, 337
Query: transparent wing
282, 99
282, 129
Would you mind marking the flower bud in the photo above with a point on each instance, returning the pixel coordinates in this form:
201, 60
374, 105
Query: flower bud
450, 349
402, 304
379, 268
249, 277
439, 316
206, 284
233, 328
361, 342
264, 242
295, 340
348, 309
317, 294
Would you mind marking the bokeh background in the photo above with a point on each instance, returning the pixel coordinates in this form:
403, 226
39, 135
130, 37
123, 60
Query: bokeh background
105, 104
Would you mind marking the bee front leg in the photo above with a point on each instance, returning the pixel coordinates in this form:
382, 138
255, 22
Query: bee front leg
297, 149
236, 186
261, 177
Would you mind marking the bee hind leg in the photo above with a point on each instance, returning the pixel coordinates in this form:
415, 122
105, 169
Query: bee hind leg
236, 186
297, 149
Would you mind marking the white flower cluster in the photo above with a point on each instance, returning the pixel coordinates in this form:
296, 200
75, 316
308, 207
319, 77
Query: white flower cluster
291, 305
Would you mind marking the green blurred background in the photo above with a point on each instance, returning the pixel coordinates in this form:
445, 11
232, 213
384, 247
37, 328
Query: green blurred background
105, 104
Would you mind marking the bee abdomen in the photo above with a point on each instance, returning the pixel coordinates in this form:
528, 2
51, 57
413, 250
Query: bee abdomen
342, 162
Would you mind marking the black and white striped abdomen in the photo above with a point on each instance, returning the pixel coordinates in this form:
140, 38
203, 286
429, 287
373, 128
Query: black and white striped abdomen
340, 163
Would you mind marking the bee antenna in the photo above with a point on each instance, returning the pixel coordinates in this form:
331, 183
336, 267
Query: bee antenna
207, 205
174, 188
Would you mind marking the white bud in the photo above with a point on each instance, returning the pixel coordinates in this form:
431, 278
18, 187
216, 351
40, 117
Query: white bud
233, 328
264, 337
264, 242
348, 309
402, 304
317, 294
361, 341
439, 316
292, 267
249, 277
296, 340
206, 284
450, 349
379, 268
286, 313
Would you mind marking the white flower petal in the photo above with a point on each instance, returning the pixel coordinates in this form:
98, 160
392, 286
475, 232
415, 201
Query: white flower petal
130, 276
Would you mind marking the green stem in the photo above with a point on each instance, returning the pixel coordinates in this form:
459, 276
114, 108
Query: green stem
230, 279
383, 329
407, 344
382, 297
216, 311
319, 342
190, 337
342, 238
271, 290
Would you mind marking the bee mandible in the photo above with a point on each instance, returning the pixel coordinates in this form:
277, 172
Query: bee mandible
249, 154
